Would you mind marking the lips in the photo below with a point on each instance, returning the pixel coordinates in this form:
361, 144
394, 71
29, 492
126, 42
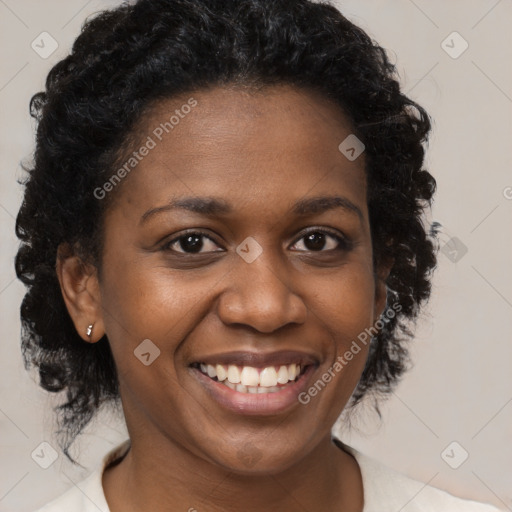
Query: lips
258, 359
255, 369
255, 383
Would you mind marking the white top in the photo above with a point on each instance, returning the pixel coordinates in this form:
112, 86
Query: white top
385, 490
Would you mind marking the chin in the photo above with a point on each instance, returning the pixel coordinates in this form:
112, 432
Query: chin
250, 460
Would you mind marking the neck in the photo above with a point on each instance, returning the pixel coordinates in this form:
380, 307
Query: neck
154, 478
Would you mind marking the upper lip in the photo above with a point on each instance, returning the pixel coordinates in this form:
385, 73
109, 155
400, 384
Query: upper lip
260, 359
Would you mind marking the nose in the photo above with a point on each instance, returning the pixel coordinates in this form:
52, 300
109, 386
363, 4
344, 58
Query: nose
259, 295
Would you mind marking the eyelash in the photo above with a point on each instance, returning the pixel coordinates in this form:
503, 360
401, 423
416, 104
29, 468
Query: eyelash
344, 244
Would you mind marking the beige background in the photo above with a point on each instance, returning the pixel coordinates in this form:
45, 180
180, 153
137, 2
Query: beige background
460, 388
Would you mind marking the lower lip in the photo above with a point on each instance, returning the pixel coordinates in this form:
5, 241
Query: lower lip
255, 403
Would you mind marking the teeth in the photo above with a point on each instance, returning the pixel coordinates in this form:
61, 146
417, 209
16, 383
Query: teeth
233, 374
221, 372
252, 380
211, 371
282, 375
268, 377
250, 376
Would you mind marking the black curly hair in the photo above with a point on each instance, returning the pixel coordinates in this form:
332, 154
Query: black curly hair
127, 59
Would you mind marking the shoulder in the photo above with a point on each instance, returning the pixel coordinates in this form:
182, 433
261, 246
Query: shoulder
87, 495
387, 490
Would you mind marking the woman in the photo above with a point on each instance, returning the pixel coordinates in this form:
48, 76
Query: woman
222, 232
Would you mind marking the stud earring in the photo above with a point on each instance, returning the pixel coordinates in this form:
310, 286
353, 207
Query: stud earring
89, 330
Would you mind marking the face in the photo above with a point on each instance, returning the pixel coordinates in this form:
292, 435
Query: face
241, 239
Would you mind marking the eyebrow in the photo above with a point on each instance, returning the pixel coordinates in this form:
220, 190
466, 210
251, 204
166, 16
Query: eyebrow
213, 207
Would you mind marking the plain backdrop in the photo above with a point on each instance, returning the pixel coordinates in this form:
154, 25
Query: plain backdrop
457, 400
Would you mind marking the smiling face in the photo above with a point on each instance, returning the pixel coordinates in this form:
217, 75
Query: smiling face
242, 238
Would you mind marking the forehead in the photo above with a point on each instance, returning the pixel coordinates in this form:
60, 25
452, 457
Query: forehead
268, 146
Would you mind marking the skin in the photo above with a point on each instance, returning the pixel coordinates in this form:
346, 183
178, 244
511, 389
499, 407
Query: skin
260, 151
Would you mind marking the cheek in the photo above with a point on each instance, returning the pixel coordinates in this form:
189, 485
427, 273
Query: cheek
347, 303
147, 302
346, 308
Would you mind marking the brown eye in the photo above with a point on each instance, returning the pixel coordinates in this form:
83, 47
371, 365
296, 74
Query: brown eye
321, 240
191, 243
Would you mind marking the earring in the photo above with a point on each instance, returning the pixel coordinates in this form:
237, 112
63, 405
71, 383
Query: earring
89, 330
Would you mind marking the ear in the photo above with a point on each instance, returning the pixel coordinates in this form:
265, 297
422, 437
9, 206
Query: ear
81, 293
381, 276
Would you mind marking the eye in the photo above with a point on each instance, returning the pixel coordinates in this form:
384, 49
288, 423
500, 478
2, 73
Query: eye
323, 240
315, 240
191, 243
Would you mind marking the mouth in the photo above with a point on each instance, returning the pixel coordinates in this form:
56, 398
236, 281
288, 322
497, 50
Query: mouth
253, 383
248, 379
